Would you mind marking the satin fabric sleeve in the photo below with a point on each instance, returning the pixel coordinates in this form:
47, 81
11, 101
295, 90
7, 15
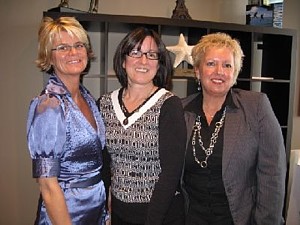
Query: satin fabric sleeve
46, 135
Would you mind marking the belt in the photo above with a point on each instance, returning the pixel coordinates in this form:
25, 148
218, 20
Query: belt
82, 184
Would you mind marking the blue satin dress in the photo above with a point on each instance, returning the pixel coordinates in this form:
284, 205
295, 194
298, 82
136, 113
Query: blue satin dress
63, 144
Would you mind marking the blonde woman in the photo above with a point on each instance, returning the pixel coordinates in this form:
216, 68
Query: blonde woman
235, 161
65, 130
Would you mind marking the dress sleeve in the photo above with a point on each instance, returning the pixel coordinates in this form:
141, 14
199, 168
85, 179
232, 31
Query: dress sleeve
46, 135
172, 140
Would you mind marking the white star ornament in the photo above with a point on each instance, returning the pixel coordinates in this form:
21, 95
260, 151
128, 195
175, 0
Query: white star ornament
182, 51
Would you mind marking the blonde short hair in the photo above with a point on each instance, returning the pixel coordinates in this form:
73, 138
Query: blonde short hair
49, 30
219, 40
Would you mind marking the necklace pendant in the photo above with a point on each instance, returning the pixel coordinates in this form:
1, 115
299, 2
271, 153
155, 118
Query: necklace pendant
203, 164
125, 121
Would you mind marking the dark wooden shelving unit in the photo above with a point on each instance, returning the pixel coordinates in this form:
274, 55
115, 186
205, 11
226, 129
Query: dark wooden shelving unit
276, 47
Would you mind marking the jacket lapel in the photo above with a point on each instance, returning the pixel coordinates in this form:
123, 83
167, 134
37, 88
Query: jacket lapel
190, 121
231, 136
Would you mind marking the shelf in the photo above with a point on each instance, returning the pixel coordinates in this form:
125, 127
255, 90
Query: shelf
90, 18
270, 80
269, 53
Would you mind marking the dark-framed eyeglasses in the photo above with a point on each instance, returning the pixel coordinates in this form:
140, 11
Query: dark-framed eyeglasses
64, 48
149, 55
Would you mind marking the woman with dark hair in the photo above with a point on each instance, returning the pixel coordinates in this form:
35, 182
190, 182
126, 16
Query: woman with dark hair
145, 133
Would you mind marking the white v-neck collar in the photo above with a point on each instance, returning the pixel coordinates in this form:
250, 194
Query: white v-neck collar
135, 116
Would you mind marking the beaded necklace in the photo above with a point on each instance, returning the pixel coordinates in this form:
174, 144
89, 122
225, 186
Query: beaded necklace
124, 109
208, 151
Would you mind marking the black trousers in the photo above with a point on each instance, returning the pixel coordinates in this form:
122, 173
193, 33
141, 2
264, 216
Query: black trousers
175, 214
115, 220
204, 215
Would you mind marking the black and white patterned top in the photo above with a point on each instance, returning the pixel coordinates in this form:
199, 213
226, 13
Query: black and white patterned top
146, 154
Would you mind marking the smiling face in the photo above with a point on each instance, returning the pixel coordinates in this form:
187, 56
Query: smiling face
141, 71
216, 71
68, 63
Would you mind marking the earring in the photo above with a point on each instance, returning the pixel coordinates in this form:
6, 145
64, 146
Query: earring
198, 84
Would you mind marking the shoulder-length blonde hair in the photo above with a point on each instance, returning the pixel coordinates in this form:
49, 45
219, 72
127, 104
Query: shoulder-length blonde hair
51, 29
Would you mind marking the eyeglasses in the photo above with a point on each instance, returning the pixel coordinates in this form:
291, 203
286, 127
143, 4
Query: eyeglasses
63, 48
149, 55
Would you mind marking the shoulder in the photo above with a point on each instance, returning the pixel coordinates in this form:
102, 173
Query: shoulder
246, 94
251, 98
255, 105
45, 102
45, 115
44, 108
106, 97
185, 101
172, 106
170, 99
171, 102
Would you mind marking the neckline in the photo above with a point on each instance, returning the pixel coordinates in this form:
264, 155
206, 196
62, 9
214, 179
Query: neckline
132, 119
124, 109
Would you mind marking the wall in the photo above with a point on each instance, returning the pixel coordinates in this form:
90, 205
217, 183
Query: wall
20, 80
292, 20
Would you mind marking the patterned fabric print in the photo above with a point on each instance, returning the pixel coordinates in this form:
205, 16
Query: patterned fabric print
134, 151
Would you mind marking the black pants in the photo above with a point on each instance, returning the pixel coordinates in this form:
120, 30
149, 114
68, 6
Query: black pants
115, 220
175, 214
209, 216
